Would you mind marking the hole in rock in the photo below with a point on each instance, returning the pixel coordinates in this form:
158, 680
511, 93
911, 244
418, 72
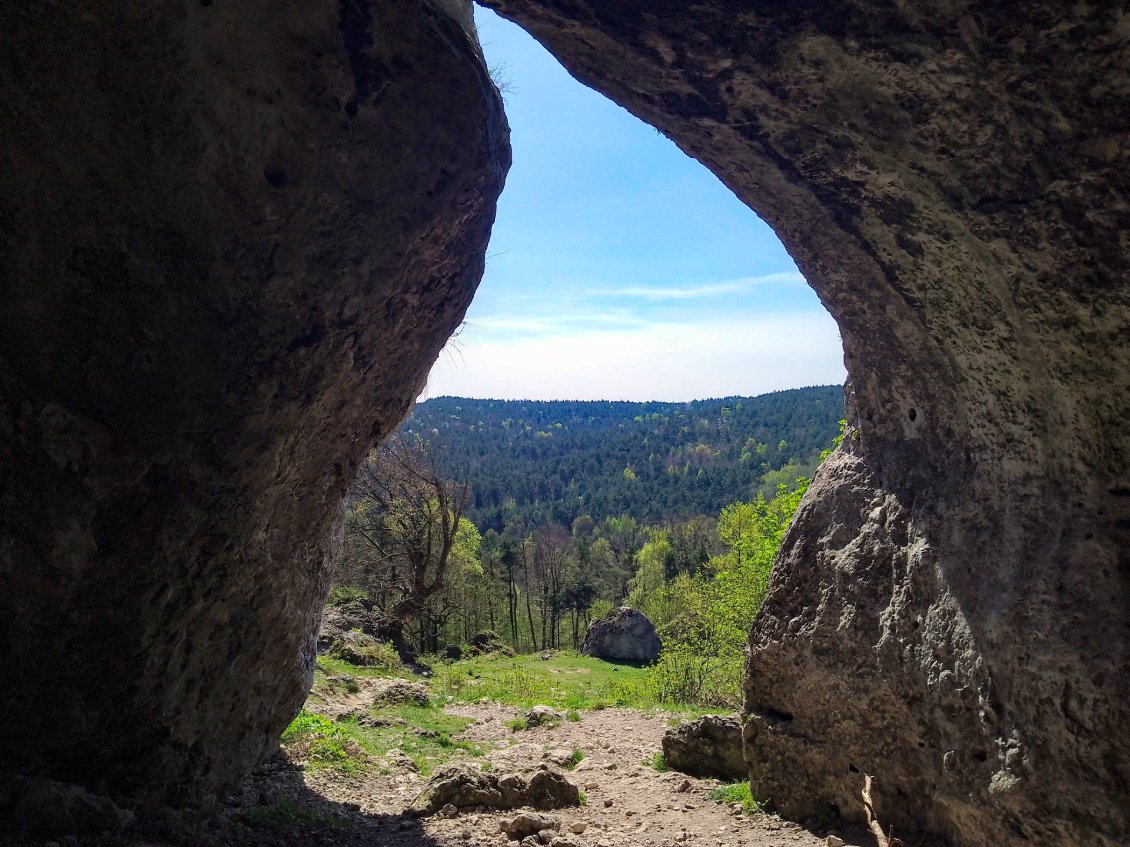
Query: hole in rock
912, 414
619, 268
622, 273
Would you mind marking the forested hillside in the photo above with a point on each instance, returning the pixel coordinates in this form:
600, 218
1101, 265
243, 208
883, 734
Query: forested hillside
539, 462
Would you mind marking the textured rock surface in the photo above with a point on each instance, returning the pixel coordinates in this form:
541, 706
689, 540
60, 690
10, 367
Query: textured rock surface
464, 786
950, 610
624, 635
233, 239
709, 746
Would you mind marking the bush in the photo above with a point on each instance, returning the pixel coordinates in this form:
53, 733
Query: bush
685, 675
738, 792
322, 742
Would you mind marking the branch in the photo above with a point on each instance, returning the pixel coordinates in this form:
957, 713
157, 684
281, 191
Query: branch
872, 821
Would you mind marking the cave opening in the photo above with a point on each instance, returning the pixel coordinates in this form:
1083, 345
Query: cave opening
619, 267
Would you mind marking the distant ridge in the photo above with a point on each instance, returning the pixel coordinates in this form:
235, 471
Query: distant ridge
540, 461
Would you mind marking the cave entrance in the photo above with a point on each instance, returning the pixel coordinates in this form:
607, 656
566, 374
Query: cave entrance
619, 267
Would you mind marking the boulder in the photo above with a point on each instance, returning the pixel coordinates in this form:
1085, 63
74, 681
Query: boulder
398, 691
487, 641
531, 823
708, 747
623, 635
359, 648
540, 715
352, 614
464, 786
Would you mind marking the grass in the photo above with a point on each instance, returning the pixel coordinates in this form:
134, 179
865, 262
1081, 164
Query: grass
424, 734
517, 724
565, 681
285, 814
737, 792
575, 758
659, 763
329, 666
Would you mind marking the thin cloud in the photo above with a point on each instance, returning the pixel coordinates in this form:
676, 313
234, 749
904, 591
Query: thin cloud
686, 292
662, 361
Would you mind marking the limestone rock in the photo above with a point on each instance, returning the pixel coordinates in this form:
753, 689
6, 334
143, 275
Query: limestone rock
463, 786
709, 746
354, 614
399, 691
624, 635
233, 239
952, 180
541, 715
487, 641
531, 823
357, 648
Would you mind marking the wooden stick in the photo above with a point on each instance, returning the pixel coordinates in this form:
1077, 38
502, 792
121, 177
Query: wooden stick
872, 821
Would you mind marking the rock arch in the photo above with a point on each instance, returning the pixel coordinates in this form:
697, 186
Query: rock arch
231, 234
950, 609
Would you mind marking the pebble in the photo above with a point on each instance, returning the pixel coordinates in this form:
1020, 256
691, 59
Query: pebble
607, 802
834, 841
578, 827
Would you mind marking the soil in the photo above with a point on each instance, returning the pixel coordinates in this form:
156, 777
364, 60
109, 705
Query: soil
628, 802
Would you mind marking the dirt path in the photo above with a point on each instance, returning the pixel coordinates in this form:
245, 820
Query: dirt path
629, 803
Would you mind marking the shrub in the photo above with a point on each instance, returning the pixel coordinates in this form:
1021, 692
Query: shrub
738, 792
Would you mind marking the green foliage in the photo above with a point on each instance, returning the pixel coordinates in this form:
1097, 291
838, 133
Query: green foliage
379, 655
341, 594
517, 724
573, 716
738, 792
575, 758
565, 681
286, 814
325, 743
685, 674
518, 477
659, 763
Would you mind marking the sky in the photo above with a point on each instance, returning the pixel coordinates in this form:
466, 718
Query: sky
619, 268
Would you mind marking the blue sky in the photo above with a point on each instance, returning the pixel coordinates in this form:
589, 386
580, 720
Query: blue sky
621, 269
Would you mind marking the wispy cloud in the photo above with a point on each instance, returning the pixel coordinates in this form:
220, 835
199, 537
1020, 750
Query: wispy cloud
664, 360
710, 289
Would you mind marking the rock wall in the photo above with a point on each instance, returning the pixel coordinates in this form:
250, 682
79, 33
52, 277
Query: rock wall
233, 239
950, 609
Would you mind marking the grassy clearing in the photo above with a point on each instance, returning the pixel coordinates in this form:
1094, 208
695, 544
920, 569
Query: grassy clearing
737, 792
565, 681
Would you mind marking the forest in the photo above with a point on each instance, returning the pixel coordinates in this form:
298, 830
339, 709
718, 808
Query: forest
441, 564
542, 462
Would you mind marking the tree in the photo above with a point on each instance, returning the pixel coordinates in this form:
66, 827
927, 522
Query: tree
402, 530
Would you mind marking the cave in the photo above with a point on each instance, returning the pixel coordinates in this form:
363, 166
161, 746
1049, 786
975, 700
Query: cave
234, 240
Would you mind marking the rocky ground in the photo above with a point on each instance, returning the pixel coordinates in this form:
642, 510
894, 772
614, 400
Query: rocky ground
626, 801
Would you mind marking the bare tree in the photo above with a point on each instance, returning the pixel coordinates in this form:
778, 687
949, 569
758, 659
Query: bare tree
401, 530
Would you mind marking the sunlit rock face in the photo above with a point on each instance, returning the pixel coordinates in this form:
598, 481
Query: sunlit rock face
233, 239
950, 610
